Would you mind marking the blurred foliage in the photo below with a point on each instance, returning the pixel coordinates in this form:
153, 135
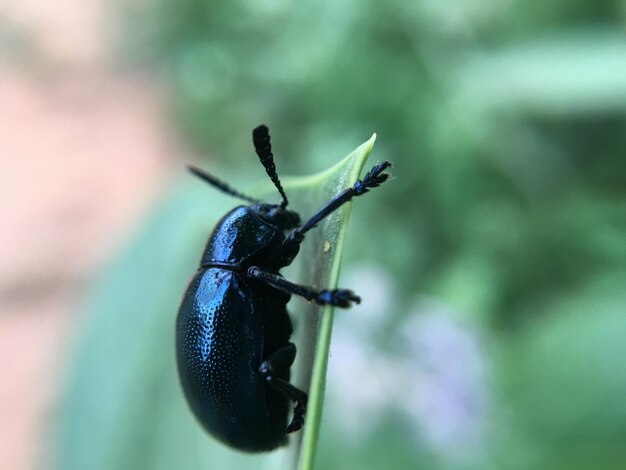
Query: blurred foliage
506, 123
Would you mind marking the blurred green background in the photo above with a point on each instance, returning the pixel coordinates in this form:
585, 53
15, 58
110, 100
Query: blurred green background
493, 266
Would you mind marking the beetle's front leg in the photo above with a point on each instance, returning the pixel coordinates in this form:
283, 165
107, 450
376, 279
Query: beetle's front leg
375, 177
279, 360
337, 297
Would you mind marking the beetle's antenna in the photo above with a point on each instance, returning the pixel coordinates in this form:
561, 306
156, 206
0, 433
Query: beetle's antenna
221, 185
263, 147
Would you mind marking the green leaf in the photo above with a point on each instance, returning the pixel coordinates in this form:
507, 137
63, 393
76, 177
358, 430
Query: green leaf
318, 264
123, 408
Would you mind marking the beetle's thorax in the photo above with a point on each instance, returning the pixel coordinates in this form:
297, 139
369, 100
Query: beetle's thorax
277, 215
243, 237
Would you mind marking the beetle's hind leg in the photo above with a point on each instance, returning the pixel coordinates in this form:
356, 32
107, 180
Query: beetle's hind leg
337, 297
279, 360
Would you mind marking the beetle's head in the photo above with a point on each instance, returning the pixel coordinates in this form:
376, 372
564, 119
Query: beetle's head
278, 215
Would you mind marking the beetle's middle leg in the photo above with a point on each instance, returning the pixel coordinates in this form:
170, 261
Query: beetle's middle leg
337, 297
281, 359
374, 178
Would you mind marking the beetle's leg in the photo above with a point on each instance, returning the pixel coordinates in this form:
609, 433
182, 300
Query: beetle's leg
282, 359
338, 297
278, 361
375, 177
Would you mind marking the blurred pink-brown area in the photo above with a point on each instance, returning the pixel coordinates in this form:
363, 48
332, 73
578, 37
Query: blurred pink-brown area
85, 150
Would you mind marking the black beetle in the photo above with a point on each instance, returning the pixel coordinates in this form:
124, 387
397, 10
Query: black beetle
233, 329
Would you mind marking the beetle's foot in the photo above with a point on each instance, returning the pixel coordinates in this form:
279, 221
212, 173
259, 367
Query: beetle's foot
298, 418
374, 178
338, 297
296, 424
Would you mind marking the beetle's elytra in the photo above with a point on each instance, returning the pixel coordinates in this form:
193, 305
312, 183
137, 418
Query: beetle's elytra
233, 329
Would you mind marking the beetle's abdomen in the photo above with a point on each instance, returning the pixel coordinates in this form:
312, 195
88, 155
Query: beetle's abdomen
219, 349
